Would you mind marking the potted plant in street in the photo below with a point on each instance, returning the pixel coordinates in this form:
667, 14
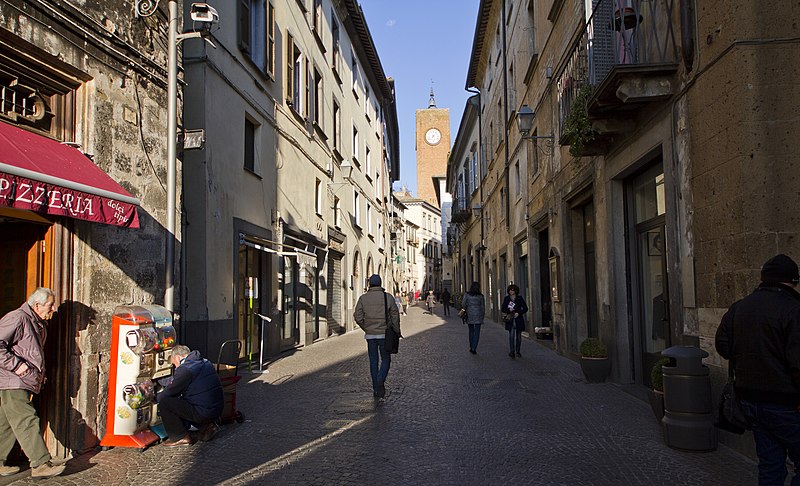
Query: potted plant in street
656, 393
595, 362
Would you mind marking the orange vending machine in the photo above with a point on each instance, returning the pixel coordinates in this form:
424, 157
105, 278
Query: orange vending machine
142, 338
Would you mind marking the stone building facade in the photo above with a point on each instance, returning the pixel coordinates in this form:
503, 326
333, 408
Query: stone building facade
89, 80
658, 174
290, 208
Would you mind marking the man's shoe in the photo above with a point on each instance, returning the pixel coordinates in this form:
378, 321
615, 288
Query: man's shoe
8, 470
511, 355
208, 432
519, 355
185, 440
473, 351
381, 390
47, 470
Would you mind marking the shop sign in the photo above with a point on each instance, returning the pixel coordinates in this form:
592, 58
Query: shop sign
43, 198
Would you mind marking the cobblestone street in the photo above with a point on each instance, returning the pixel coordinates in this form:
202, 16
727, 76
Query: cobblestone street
450, 417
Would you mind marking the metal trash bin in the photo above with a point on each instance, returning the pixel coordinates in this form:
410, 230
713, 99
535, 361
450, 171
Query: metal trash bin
688, 416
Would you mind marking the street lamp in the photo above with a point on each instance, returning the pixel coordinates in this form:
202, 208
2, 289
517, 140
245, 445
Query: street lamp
525, 118
206, 16
347, 170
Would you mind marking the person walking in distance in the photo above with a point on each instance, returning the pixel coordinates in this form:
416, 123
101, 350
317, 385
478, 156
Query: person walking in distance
398, 301
22, 374
404, 303
371, 316
760, 335
475, 306
430, 301
514, 309
445, 296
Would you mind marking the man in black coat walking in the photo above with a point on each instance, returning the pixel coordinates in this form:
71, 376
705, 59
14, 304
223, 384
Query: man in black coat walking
760, 335
445, 296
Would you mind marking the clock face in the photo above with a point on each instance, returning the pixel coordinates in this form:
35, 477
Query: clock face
433, 136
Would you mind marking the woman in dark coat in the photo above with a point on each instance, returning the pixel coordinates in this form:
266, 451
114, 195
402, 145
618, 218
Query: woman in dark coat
514, 309
473, 303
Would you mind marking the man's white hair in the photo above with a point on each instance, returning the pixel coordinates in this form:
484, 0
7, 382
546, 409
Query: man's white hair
40, 296
181, 350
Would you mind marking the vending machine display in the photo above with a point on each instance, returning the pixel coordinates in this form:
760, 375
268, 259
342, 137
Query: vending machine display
142, 339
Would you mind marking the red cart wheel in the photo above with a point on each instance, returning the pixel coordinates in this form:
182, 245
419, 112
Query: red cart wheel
239, 417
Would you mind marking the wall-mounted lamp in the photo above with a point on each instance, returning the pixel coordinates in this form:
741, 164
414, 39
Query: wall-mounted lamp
525, 118
476, 210
347, 170
347, 175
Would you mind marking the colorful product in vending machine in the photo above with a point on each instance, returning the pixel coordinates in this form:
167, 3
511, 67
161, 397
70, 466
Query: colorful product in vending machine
166, 338
142, 341
139, 395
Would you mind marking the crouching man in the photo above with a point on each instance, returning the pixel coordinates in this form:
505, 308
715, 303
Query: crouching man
193, 397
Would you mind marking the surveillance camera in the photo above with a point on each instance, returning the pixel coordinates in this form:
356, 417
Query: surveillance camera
204, 13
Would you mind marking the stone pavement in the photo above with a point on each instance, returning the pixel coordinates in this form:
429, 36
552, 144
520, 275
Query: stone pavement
450, 417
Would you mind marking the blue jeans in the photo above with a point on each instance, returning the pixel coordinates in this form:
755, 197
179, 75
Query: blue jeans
514, 338
375, 346
474, 335
776, 430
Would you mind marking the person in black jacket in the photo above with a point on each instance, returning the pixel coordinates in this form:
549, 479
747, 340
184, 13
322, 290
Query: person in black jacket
514, 309
760, 335
194, 396
445, 298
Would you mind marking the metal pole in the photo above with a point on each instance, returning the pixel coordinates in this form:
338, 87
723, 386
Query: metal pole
264, 320
172, 142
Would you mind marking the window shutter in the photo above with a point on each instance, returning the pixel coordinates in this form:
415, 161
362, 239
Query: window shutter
244, 25
290, 69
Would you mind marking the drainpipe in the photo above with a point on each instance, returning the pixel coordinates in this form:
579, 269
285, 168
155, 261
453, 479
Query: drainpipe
507, 202
687, 33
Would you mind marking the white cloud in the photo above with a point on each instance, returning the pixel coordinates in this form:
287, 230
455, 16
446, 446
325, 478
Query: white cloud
390, 22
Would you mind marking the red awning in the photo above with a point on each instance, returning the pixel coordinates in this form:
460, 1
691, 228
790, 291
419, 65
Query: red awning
42, 175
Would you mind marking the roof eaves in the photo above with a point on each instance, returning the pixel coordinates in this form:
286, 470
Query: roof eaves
359, 24
484, 10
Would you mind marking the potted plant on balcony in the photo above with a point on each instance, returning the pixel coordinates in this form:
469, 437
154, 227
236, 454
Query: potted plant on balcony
656, 393
577, 129
595, 362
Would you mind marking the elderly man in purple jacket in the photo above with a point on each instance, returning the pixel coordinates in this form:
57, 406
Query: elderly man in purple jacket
22, 336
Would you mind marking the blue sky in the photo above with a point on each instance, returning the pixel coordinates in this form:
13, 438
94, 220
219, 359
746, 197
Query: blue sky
419, 41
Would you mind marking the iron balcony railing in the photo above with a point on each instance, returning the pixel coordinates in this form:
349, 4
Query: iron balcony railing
618, 33
461, 211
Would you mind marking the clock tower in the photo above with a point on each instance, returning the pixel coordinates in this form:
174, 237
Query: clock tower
433, 148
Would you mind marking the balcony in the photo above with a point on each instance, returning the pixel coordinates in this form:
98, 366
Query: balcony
625, 58
461, 212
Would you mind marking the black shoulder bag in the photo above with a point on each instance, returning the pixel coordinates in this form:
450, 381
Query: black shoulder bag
731, 417
392, 339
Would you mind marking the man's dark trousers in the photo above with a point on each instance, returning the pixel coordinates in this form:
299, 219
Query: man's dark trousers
446, 308
174, 411
776, 430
